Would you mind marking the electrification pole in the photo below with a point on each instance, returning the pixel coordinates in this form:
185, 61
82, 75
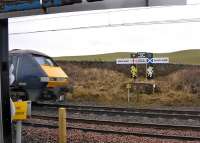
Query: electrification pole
5, 116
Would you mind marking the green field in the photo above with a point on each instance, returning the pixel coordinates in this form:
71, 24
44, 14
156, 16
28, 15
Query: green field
180, 57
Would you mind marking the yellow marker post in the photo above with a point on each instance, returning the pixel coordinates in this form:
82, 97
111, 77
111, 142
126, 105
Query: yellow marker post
21, 110
62, 126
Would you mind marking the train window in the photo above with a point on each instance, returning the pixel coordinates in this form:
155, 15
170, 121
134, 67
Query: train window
14, 61
44, 60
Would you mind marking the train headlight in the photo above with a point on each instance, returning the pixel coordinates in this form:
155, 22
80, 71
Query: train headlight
48, 79
44, 79
61, 79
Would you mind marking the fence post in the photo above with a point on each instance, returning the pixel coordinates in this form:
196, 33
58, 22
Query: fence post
62, 126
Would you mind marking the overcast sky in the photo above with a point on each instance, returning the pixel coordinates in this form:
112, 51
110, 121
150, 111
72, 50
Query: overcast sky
72, 40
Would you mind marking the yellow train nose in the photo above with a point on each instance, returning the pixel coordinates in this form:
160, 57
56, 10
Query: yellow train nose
56, 77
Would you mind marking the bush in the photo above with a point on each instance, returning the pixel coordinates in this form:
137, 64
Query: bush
187, 80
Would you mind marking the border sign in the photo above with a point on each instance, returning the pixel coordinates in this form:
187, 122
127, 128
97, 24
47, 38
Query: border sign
143, 58
161, 60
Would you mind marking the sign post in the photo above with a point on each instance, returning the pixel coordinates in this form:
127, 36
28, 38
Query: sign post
5, 116
128, 86
19, 132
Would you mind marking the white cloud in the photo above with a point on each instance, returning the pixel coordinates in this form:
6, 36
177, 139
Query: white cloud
152, 38
193, 2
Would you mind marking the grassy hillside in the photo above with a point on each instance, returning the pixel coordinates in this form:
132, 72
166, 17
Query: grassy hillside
107, 86
183, 57
180, 57
101, 57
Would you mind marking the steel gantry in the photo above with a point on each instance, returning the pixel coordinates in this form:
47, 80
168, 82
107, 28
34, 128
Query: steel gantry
5, 117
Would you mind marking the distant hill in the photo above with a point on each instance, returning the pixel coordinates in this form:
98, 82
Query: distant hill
180, 57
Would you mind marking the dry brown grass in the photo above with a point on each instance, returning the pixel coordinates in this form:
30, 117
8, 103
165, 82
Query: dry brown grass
99, 85
109, 87
172, 98
187, 81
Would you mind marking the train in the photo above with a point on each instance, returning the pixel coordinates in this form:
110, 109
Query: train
36, 76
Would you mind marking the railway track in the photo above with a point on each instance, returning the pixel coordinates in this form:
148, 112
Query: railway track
110, 111
101, 110
117, 123
121, 133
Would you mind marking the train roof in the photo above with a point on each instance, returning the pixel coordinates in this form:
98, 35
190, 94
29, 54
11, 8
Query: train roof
18, 51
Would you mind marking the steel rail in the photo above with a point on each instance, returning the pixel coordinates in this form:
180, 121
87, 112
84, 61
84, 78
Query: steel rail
139, 134
118, 123
191, 112
153, 113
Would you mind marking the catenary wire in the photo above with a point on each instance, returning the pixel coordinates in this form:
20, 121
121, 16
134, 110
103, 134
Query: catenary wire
114, 25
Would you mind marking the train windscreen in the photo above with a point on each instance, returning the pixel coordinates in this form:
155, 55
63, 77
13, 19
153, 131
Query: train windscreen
44, 60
